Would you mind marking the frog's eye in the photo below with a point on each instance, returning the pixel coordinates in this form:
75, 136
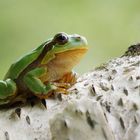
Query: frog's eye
61, 38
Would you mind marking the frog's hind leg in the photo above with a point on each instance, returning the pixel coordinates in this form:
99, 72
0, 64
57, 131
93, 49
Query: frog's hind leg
7, 89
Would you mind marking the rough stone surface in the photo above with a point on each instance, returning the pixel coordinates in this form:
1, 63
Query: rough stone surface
103, 105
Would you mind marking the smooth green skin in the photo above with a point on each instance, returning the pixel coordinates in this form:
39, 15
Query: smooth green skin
8, 87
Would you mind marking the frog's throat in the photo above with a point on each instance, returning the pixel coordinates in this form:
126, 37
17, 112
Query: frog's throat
71, 56
63, 63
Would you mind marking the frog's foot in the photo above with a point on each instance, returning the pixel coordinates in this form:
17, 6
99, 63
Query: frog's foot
68, 79
65, 83
8, 90
61, 90
62, 85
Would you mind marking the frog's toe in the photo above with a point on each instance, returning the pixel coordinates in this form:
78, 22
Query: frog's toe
62, 85
61, 90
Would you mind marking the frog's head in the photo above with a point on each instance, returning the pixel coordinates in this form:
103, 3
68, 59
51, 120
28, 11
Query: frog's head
72, 46
69, 48
64, 42
66, 52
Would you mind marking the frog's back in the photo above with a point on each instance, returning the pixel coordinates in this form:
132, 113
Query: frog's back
17, 67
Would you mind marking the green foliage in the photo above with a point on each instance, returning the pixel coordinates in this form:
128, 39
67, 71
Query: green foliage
110, 27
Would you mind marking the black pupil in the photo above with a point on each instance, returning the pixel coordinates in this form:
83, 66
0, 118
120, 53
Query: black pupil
61, 38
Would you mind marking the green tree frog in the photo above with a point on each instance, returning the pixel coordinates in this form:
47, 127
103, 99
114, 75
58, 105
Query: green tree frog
44, 70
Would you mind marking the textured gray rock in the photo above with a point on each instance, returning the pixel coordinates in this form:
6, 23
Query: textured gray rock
103, 105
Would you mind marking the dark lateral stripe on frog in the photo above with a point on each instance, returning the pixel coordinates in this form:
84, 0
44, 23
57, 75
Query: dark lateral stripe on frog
48, 46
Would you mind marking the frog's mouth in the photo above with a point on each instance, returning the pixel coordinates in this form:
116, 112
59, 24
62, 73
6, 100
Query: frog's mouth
64, 62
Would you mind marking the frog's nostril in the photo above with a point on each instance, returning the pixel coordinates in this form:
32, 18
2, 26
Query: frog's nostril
78, 38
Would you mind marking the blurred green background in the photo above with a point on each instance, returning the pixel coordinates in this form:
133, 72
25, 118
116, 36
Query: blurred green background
110, 27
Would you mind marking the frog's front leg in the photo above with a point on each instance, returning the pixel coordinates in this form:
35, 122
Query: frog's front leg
7, 89
65, 82
34, 84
